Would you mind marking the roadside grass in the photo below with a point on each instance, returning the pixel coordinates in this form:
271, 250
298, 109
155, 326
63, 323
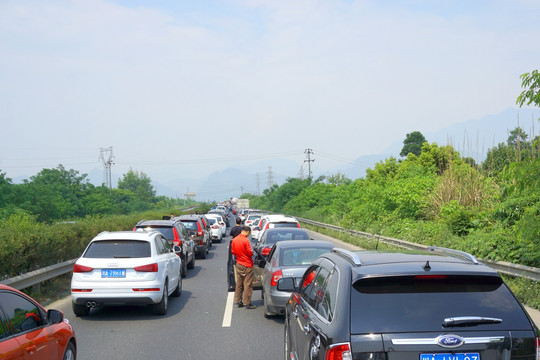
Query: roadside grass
51, 290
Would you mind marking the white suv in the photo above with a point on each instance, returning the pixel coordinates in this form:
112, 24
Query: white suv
274, 221
126, 268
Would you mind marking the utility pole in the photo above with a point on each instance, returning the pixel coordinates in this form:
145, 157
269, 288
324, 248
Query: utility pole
309, 160
270, 178
258, 185
107, 158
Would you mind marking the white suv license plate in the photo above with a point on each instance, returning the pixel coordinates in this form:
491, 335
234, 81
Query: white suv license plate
113, 273
448, 356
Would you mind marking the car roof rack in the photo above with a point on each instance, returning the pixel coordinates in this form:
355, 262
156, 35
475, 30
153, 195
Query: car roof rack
454, 253
349, 255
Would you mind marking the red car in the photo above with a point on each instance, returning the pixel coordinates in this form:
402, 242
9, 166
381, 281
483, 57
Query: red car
28, 330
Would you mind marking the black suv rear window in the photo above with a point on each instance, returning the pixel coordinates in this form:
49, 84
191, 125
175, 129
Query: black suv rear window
421, 303
190, 225
108, 249
166, 231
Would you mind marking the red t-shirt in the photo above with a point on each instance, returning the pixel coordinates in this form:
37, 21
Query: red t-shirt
241, 248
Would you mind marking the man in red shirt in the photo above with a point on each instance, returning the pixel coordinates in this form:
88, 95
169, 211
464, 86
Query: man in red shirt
241, 248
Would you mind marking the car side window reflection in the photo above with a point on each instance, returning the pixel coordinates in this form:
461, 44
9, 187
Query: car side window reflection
21, 314
307, 283
326, 299
317, 292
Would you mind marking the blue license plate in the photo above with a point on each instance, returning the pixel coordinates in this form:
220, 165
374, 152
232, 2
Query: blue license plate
113, 273
448, 356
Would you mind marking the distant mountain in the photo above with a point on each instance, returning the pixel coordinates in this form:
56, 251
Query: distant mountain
472, 138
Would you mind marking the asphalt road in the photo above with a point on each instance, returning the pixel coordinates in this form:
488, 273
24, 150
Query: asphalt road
198, 325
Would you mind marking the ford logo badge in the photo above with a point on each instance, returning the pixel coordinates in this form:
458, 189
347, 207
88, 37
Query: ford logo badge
450, 341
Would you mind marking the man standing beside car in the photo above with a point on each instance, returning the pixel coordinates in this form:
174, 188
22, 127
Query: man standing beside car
241, 248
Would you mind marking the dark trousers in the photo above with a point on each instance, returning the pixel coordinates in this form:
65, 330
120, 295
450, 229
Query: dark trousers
244, 284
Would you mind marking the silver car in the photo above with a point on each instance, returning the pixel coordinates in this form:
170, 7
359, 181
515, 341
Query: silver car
289, 258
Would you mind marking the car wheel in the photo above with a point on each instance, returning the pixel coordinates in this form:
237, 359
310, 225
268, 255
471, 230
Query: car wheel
80, 310
203, 255
184, 269
70, 353
178, 291
191, 265
161, 307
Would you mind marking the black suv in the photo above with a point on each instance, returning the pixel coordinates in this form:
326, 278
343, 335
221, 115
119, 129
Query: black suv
438, 304
176, 234
198, 232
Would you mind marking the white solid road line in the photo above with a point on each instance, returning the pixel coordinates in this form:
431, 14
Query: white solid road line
227, 317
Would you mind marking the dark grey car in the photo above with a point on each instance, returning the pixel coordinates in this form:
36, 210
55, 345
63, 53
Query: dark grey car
419, 305
197, 232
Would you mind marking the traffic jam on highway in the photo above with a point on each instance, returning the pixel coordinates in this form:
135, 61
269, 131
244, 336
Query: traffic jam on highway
326, 302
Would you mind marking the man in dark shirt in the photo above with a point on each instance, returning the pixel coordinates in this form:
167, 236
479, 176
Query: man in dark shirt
235, 231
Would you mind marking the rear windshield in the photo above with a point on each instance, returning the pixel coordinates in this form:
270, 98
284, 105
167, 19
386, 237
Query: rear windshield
405, 304
190, 225
212, 221
283, 225
275, 236
166, 231
300, 256
108, 249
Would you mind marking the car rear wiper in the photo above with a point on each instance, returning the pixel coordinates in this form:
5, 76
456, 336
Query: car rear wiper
469, 321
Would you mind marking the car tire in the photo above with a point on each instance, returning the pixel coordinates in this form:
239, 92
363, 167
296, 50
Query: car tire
70, 353
183, 272
203, 255
178, 291
80, 310
191, 265
161, 307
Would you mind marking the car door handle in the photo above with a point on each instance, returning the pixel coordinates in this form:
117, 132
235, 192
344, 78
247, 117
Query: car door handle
31, 349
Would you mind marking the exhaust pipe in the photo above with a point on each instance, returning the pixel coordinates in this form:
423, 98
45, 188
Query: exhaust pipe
91, 304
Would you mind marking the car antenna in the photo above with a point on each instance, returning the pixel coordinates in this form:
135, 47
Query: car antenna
426, 267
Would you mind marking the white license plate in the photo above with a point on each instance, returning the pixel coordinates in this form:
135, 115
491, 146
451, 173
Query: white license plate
113, 273
448, 356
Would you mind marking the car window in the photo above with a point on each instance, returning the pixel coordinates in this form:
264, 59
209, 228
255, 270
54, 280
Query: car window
212, 221
326, 304
317, 293
300, 256
165, 244
22, 314
306, 285
4, 333
165, 231
439, 298
190, 225
284, 225
105, 249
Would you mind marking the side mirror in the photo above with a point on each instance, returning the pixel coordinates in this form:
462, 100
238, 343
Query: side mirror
55, 316
286, 284
177, 249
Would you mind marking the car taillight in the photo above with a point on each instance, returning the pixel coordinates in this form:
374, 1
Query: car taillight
81, 290
147, 289
339, 352
276, 275
147, 268
81, 268
298, 225
215, 226
177, 239
266, 251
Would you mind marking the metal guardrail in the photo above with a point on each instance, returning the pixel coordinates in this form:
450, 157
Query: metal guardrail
38, 276
503, 267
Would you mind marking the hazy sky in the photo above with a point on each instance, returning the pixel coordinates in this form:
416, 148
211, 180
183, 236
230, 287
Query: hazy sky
184, 88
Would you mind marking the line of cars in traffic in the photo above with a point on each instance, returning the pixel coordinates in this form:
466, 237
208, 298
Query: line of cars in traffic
433, 304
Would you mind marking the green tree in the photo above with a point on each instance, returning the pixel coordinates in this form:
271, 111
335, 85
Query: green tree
139, 184
531, 95
413, 144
